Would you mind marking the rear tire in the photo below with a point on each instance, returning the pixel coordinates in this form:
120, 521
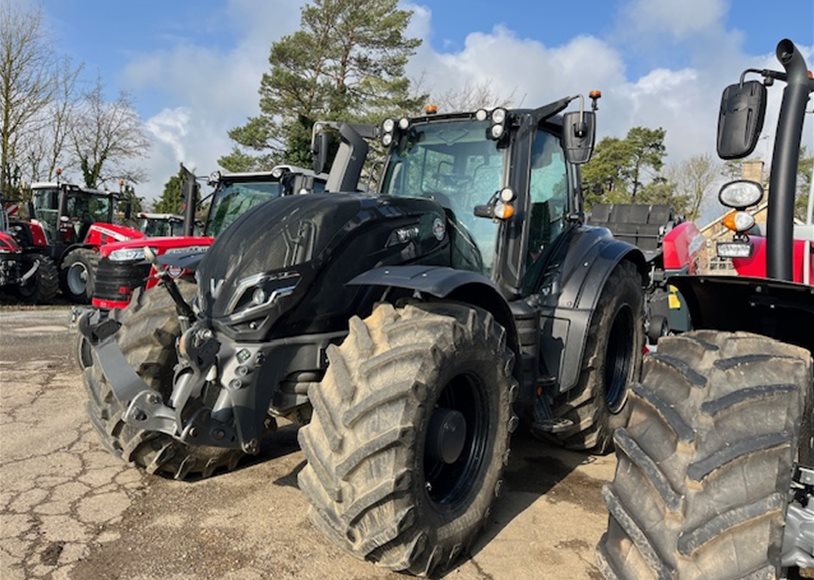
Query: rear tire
379, 488
704, 468
78, 275
43, 286
611, 363
149, 329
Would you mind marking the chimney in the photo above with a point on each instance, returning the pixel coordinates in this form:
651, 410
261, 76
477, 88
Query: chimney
752, 169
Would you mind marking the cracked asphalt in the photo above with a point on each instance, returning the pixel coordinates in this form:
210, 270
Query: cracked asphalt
68, 509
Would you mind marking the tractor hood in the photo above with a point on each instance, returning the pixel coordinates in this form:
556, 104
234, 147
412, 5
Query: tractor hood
160, 244
305, 248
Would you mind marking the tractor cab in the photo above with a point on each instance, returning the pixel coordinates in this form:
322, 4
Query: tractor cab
68, 211
155, 225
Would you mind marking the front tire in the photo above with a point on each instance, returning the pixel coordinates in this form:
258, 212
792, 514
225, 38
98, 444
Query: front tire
147, 336
78, 275
704, 468
43, 286
410, 434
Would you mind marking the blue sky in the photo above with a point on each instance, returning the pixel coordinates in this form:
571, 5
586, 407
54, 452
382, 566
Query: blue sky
192, 68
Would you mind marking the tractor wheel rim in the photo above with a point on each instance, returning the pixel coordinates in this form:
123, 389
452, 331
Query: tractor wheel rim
619, 358
77, 279
456, 442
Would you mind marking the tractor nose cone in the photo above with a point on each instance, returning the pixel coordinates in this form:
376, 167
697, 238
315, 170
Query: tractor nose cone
446, 435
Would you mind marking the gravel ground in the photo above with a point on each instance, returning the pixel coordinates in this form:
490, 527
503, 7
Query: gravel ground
70, 510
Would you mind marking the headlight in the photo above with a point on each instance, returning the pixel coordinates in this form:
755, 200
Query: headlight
734, 249
499, 115
497, 131
126, 255
387, 139
388, 125
481, 114
740, 194
404, 123
256, 295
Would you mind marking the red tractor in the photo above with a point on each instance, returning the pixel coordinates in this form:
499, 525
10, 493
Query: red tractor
75, 223
715, 472
25, 271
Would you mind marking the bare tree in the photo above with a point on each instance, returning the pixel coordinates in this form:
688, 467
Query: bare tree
26, 81
106, 137
694, 177
46, 148
472, 96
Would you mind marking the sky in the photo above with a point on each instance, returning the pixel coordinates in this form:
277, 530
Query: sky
192, 68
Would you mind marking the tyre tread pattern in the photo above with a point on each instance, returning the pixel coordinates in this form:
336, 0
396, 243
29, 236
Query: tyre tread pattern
147, 340
701, 491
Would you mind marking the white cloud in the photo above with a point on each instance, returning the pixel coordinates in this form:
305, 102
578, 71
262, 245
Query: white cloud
209, 90
678, 19
212, 91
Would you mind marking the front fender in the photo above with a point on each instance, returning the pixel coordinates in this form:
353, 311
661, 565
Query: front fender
451, 284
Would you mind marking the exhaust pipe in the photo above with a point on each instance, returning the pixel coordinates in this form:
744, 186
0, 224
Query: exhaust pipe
783, 179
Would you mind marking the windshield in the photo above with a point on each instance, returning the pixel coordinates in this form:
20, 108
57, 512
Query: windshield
234, 199
454, 163
157, 227
88, 208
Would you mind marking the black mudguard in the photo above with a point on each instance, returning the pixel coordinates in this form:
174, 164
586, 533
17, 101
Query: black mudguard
451, 284
587, 260
773, 308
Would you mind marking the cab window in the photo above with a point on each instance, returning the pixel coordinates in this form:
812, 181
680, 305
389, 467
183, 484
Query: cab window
548, 192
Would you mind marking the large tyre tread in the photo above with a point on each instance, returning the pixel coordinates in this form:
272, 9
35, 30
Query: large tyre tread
367, 431
681, 507
147, 339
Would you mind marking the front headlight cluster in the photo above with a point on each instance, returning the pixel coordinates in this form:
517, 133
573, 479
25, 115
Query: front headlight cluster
388, 129
498, 118
256, 295
126, 255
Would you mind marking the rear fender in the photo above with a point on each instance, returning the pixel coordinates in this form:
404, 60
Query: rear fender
589, 259
773, 308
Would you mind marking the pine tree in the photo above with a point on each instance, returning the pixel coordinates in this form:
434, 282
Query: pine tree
171, 200
345, 63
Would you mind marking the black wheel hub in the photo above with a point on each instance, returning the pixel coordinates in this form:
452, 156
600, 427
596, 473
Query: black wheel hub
456, 442
619, 357
447, 435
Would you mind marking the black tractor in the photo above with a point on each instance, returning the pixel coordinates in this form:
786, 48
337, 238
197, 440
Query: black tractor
715, 473
403, 329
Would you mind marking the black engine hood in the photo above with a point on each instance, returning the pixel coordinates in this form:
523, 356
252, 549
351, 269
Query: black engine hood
293, 237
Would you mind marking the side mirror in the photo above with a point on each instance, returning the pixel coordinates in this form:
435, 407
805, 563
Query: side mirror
32, 213
128, 209
740, 120
740, 194
578, 135
320, 148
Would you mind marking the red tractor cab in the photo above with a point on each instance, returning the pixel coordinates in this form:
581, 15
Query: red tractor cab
76, 222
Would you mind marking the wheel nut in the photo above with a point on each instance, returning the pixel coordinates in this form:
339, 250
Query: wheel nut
139, 415
154, 399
